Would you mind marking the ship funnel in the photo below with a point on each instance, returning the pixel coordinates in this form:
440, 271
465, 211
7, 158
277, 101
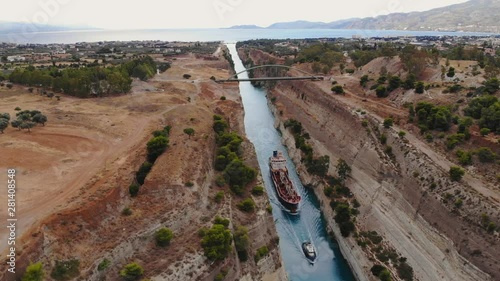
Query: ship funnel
275, 153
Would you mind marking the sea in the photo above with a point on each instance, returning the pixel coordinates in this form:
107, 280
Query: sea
205, 35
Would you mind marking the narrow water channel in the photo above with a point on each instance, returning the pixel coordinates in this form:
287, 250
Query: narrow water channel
309, 225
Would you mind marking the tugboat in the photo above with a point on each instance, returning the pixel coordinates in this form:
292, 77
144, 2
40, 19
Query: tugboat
287, 194
309, 251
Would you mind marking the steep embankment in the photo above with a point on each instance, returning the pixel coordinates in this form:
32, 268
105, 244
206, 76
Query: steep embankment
406, 195
108, 229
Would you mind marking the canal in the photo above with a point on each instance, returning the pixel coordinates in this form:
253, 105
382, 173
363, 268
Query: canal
309, 225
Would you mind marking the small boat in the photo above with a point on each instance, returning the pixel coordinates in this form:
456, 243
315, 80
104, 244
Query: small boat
309, 251
287, 194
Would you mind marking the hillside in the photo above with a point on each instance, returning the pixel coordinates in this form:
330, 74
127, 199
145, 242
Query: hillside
472, 16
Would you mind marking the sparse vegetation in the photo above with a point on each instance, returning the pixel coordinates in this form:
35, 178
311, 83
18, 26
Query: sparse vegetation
216, 242
456, 173
388, 122
34, 272
131, 271
241, 242
247, 205
66, 270
163, 236
261, 252
258, 190
189, 132
103, 265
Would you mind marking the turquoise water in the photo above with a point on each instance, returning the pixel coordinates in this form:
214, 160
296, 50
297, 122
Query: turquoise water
227, 35
293, 230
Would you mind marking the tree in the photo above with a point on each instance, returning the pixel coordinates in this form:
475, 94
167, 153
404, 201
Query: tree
364, 80
343, 169
456, 173
216, 242
338, 89
34, 272
156, 147
419, 87
163, 236
133, 189
492, 85
143, 172
132, 271
16, 124
238, 174
394, 83
486, 155
4, 123
247, 205
189, 132
484, 131
381, 91
388, 122
451, 72
40, 119
27, 125
241, 242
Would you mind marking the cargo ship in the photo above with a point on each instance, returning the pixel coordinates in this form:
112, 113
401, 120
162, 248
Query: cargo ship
287, 194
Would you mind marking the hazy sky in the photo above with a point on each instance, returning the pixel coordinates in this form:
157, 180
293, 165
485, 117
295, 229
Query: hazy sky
127, 14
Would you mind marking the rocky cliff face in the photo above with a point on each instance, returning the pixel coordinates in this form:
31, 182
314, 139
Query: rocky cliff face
405, 195
396, 192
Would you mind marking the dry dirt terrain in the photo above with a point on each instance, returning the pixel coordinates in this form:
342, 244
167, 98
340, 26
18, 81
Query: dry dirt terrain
439, 241
73, 176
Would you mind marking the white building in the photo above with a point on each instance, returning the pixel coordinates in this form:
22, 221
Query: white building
15, 58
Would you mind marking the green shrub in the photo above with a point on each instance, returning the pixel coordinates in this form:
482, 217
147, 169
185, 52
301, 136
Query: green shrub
402, 134
156, 147
456, 173
383, 139
127, 211
328, 191
261, 252
241, 242
405, 271
486, 155
491, 227
222, 221
189, 184
258, 190
381, 91
134, 189
238, 174
247, 205
143, 172
66, 270
388, 122
377, 269
132, 271
34, 272
216, 242
485, 131
464, 157
104, 264
219, 196
163, 236
338, 89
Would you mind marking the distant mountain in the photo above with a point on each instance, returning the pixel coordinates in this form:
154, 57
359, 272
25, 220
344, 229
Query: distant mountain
21, 27
246, 27
473, 16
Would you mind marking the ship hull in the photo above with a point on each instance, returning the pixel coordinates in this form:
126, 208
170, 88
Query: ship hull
292, 208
